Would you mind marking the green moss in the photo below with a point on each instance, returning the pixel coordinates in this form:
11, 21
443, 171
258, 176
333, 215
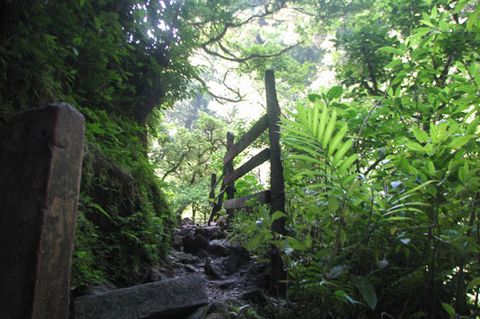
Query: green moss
124, 223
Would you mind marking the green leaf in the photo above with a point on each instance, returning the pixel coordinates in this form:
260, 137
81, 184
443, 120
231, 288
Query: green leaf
343, 295
430, 167
329, 129
347, 163
341, 152
472, 284
420, 135
336, 140
314, 97
392, 50
77, 41
393, 64
367, 290
322, 124
414, 146
449, 309
395, 219
277, 215
334, 93
463, 173
459, 141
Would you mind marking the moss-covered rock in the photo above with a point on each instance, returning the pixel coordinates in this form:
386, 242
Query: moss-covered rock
124, 223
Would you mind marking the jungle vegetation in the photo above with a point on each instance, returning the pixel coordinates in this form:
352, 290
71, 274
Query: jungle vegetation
382, 167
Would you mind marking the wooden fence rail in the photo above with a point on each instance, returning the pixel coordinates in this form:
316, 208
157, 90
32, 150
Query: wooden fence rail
275, 196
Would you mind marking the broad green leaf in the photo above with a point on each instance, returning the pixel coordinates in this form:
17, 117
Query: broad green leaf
449, 309
430, 167
314, 97
414, 146
463, 173
277, 215
367, 290
393, 64
420, 135
334, 93
459, 141
474, 283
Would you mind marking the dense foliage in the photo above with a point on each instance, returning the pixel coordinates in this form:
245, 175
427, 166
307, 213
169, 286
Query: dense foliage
383, 178
382, 170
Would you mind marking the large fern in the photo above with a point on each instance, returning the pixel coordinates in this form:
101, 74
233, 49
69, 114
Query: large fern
319, 139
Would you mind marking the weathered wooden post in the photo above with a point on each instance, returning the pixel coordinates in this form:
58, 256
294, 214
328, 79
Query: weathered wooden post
41, 154
213, 182
277, 182
230, 190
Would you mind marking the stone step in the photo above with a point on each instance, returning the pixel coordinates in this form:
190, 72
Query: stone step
172, 298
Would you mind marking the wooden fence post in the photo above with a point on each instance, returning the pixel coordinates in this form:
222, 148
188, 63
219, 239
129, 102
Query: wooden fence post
213, 182
277, 187
230, 187
40, 167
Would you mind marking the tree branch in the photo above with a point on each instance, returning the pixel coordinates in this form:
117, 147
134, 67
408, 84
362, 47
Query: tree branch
217, 97
237, 59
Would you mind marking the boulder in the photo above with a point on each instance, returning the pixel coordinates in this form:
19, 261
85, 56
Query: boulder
211, 232
211, 271
238, 257
218, 247
167, 299
193, 243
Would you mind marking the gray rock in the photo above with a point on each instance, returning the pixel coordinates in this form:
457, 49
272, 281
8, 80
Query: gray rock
173, 298
218, 247
211, 271
184, 258
238, 257
192, 244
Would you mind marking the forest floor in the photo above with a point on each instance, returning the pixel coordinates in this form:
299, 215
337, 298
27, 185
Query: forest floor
236, 282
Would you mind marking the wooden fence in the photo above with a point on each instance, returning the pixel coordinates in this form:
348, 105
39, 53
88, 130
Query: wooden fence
275, 196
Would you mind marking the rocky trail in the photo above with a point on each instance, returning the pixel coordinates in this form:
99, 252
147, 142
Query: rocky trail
205, 277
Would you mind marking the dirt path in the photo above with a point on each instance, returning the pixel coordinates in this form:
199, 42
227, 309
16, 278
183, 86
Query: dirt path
230, 272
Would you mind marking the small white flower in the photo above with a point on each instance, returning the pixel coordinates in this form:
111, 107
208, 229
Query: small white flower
395, 184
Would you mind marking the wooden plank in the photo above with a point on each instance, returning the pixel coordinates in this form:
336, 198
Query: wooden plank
257, 129
242, 202
277, 269
256, 160
40, 167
